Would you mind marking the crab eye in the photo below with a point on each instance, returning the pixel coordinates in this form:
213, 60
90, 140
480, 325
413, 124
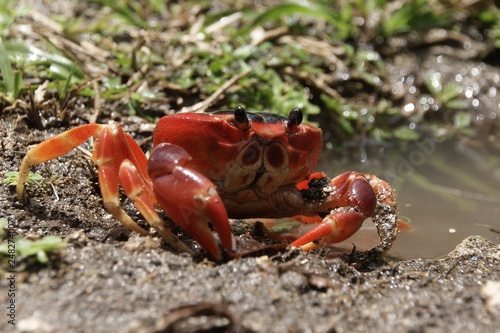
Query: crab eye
294, 118
241, 119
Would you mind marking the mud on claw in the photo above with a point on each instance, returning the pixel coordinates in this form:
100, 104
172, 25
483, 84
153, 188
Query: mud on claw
206, 168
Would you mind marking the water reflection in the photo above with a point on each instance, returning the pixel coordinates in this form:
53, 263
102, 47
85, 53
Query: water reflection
448, 192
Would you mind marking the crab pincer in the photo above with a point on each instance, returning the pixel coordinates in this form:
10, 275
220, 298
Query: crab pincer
189, 198
353, 198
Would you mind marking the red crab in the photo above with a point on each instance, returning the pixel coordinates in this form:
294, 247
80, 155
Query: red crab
208, 167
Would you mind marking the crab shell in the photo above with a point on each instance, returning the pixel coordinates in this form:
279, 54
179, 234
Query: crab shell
247, 160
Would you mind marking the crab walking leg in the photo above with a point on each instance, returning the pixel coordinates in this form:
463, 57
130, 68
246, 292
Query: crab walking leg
136, 190
105, 156
52, 148
112, 148
189, 198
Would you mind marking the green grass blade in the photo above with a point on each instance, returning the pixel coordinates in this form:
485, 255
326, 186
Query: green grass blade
7, 73
313, 9
28, 54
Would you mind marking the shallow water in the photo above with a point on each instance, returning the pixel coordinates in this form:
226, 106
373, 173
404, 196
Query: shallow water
447, 192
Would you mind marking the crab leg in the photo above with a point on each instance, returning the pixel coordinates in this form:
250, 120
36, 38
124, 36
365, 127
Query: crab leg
119, 160
112, 145
52, 148
385, 214
136, 190
354, 198
335, 228
189, 198
112, 148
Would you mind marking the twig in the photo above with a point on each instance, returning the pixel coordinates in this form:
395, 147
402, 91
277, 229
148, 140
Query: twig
97, 103
203, 105
33, 110
176, 316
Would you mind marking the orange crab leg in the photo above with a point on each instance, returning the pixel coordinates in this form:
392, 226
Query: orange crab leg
111, 149
52, 148
136, 190
112, 146
189, 198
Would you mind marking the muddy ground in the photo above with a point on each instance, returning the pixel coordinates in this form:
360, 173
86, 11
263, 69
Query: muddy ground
109, 280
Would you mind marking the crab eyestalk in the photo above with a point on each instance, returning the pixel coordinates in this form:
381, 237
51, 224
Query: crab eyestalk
294, 118
240, 119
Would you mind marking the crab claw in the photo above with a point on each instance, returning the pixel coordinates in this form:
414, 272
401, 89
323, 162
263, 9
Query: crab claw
352, 201
189, 198
335, 228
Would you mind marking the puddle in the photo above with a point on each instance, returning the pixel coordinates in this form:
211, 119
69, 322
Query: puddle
447, 192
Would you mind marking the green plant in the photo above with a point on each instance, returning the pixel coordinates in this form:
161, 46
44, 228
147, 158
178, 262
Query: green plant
17, 250
31, 61
11, 79
412, 15
136, 13
448, 94
10, 10
11, 177
320, 10
491, 16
